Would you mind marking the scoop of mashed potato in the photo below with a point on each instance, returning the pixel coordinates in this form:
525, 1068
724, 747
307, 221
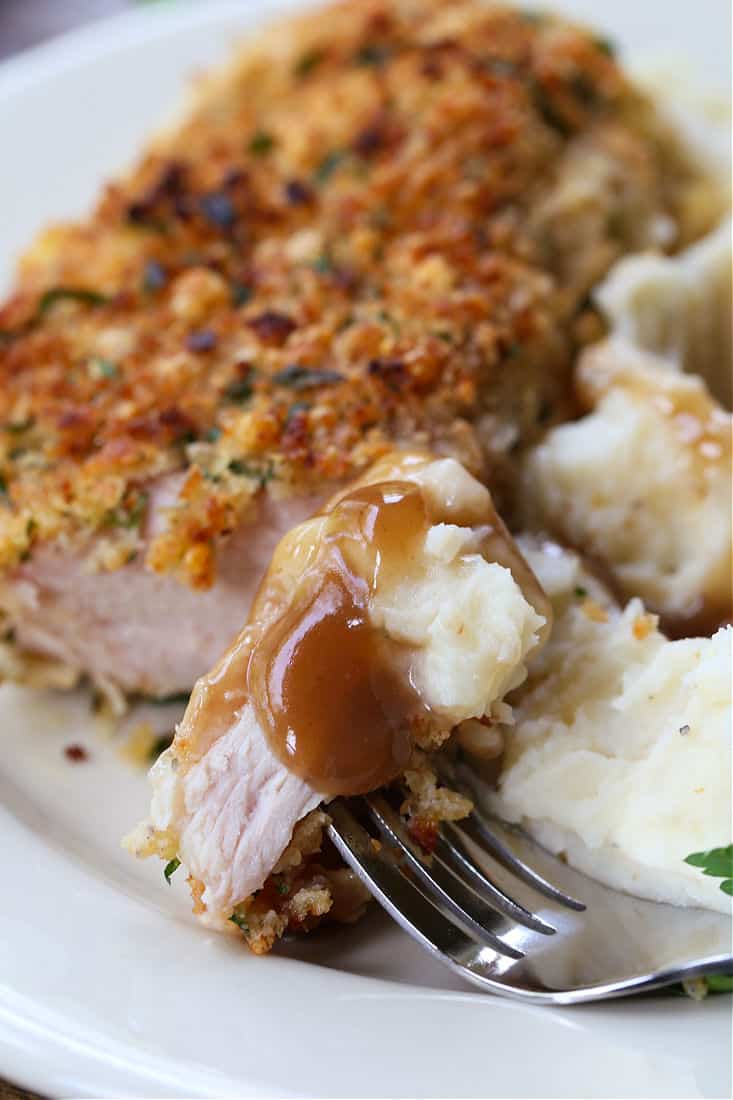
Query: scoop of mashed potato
466, 607
643, 483
620, 752
678, 307
466, 618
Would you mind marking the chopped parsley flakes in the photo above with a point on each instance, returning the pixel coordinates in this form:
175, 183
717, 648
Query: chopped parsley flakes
308, 61
241, 389
296, 377
103, 368
56, 294
128, 516
262, 473
372, 53
329, 164
261, 143
170, 869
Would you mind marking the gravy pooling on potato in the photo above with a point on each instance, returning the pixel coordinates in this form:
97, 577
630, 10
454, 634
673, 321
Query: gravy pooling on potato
333, 694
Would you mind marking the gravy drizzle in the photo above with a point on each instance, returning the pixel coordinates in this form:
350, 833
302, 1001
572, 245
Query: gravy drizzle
331, 692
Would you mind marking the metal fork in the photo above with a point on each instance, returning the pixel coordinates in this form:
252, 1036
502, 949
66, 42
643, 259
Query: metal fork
500, 911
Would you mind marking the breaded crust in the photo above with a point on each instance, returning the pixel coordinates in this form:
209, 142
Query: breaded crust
381, 222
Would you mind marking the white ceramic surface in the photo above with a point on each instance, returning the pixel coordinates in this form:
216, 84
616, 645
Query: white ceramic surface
107, 988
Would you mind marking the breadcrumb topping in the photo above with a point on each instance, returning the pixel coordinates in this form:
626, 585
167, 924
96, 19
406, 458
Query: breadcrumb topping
310, 883
369, 228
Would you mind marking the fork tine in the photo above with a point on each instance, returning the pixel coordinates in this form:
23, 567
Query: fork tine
453, 851
399, 895
441, 885
478, 828
564, 974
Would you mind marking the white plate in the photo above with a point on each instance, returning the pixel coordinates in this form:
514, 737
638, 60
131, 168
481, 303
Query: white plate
106, 985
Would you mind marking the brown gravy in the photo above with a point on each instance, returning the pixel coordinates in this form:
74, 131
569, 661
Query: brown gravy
331, 693
702, 622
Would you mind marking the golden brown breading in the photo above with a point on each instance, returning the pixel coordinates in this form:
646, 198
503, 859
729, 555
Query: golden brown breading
310, 883
350, 240
302, 890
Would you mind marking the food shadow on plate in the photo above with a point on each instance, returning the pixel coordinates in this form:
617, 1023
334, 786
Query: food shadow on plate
374, 947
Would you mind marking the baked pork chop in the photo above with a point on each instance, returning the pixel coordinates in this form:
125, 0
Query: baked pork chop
394, 620
380, 224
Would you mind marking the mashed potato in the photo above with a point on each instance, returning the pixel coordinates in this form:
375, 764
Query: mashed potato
467, 619
620, 752
678, 307
643, 482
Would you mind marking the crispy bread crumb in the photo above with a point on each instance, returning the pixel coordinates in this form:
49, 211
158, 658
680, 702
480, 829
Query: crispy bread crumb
279, 290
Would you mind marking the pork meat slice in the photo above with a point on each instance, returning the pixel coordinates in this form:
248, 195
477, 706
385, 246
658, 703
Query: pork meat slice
234, 812
141, 631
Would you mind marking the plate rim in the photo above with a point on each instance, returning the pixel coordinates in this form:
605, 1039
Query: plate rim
33, 1052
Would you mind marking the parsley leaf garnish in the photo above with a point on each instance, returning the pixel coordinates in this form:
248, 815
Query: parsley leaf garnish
239, 391
170, 869
72, 294
605, 45
261, 143
372, 53
716, 862
329, 164
719, 983
130, 516
17, 427
257, 472
47, 300
297, 408
103, 368
134, 517
308, 61
240, 922
241, 294
296, 377
323, 264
